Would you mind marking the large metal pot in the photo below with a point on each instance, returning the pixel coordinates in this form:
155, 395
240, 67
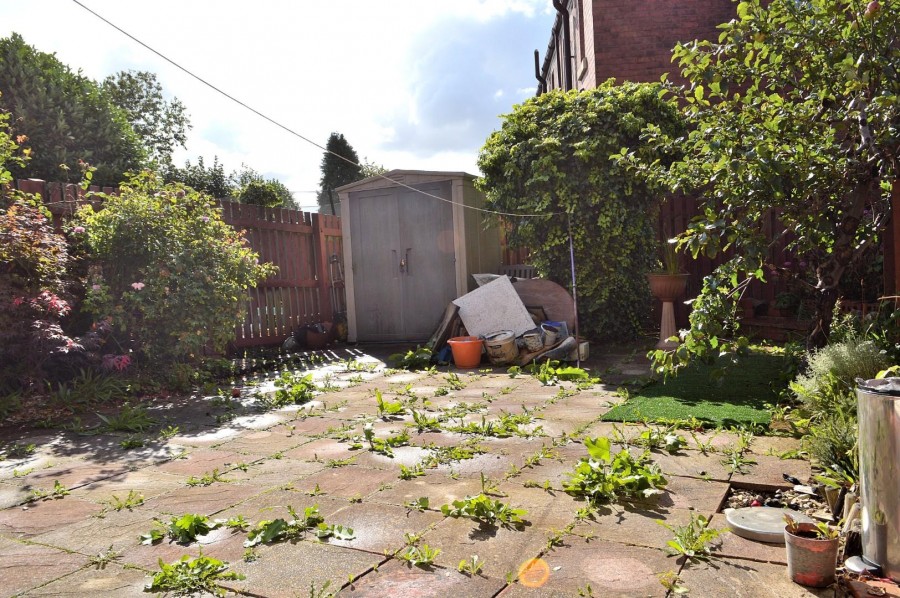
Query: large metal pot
879, 470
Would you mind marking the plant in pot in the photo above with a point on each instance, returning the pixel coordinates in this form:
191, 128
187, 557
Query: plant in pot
667, 285
811, 552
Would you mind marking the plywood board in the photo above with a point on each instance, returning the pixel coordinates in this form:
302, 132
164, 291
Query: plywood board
556, 301
495, 306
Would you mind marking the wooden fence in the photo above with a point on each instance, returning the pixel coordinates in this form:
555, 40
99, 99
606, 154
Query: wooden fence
308, 287
306, 247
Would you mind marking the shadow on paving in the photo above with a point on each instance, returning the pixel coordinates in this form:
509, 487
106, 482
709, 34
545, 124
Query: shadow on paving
268, 465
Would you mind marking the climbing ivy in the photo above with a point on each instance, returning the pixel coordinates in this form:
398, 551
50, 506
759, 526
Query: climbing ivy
794, 110
552, 156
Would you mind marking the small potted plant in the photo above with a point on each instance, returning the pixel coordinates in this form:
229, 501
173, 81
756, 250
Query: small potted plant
667, 285
811, 552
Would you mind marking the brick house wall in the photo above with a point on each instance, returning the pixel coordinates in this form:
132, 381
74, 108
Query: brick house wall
628, 40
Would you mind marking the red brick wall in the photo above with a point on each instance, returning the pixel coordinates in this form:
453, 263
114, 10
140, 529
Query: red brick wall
633, 41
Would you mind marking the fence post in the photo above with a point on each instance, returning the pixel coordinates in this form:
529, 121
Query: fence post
326, 309
36, 186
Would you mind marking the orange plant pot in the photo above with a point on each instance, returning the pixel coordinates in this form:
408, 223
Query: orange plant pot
466, 351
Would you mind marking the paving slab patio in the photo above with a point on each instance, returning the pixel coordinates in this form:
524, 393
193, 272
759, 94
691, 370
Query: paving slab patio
108, 581
294, 456
744, 579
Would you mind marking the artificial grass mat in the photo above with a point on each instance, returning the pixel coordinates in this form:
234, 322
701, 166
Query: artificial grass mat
738, 398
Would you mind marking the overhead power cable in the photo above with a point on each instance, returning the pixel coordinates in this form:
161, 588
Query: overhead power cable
292, 131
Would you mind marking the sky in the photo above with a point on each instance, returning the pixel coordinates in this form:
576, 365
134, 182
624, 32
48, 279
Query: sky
411, 85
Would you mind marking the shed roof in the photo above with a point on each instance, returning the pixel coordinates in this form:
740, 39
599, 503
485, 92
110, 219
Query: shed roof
403, 176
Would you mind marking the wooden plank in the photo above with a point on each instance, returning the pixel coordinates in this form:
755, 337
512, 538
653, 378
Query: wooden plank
321, 269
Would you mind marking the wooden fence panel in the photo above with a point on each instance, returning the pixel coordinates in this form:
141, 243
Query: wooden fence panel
300, 244
300, 293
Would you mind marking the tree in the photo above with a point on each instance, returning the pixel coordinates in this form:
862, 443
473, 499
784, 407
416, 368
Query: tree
254, 188
161, 125
340, 166
211, 180
795, 109
370, 169
67, 117
552, 156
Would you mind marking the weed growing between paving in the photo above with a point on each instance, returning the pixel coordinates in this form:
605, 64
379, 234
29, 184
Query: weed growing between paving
692, 540
485, 511
276, 530
471, 567
603, 477
419, 556
189, 576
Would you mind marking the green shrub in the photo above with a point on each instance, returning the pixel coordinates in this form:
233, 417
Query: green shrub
830, 378
260, 193
831, 441
166, 270
33, 260
553, 154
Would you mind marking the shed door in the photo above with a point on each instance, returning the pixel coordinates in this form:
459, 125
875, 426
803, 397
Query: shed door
404, 268
374, 228
429, 279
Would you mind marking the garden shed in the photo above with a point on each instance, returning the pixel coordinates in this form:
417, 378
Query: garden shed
411, 243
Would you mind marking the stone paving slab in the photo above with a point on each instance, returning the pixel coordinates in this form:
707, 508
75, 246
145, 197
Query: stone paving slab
381, 529
12, 470
346, 482
766, 445
110, 581
149, 484
437, 487
768, 470
222, 544
25, 566
744, 579
203, 500
733, 546
261, 443
610, 569
12, 494
272, 504
554, 510
704, 496
119, 530
72, 474
503, 550
41, 516
693, 464
290, 569
633, 526
397, 580
268, 473
198, 462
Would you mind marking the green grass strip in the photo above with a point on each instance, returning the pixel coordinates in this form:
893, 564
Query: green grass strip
739, 398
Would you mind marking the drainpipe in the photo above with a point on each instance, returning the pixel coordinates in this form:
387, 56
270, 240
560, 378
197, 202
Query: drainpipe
567, 40
542, 82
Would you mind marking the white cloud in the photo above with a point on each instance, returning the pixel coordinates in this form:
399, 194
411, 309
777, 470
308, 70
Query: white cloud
409, 85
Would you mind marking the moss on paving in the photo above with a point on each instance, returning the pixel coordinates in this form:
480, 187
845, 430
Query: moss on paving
738, 398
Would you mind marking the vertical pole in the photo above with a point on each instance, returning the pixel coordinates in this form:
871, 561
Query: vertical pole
326, 310
574, 291
892, 246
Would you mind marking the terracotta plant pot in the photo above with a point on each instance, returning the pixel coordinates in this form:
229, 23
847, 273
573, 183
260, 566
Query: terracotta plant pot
667, 288
811, 560
316, 339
